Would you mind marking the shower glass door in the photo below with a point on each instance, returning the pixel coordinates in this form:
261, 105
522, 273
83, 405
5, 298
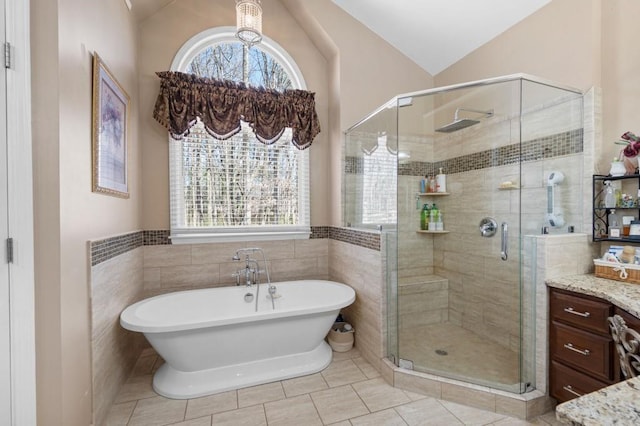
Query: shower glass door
459, 288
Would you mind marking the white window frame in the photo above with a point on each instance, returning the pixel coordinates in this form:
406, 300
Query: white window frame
185, 235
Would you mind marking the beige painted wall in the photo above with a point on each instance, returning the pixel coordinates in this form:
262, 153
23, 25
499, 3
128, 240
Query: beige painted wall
162, 34
580, 43
620, 76
559, 42
67, 214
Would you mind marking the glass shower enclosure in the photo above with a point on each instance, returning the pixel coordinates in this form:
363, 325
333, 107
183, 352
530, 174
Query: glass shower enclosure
460, 296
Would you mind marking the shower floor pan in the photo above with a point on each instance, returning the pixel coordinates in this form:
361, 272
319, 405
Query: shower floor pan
449, 350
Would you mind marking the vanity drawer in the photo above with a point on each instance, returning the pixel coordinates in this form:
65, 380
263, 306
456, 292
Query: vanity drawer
584, 350
582, 312
567, 383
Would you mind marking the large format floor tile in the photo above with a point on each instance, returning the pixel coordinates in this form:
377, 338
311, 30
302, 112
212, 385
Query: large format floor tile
350, 392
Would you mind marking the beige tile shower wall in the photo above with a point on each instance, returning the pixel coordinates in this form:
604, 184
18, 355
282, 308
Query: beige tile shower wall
592, 133
415, 251
544, 120
488, 134
187, 266
569, 196
483, 289
361, 269
115, 284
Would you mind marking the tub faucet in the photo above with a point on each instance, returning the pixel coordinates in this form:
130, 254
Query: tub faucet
249, 272
256, 272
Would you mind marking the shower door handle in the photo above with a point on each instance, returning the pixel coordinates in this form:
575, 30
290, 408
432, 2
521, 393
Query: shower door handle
505, 237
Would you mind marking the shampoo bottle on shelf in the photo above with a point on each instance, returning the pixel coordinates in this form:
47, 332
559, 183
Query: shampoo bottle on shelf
424, 217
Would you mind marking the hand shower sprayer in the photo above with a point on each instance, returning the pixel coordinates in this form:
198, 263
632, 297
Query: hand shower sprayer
554, 215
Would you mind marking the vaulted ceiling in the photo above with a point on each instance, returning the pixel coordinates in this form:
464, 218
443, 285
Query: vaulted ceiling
433, 33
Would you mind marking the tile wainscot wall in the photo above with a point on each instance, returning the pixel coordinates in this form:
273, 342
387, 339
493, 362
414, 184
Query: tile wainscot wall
127, 268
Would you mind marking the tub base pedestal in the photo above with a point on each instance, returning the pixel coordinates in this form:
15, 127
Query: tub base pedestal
175, 384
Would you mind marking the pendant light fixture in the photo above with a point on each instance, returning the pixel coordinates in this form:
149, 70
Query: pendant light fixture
249, 21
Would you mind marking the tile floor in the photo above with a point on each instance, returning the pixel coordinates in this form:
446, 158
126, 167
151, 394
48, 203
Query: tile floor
349, 392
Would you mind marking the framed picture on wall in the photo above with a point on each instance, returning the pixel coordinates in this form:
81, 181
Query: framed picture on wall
110, 121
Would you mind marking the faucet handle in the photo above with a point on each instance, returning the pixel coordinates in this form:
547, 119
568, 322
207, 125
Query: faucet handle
236, 275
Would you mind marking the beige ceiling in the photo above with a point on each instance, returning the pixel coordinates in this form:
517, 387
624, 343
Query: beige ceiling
433, 33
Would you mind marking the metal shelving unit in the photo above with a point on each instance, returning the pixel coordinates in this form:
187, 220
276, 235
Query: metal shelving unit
601, 214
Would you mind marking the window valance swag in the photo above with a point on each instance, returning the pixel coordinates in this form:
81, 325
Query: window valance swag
221, 105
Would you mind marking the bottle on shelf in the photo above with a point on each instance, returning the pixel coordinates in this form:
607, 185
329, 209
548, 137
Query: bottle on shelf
440, 223
424, 217
615, 231
432, 184
441, 181
609, 195
433, 217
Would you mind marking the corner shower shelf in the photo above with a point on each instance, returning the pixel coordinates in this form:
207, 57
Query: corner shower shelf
432, 194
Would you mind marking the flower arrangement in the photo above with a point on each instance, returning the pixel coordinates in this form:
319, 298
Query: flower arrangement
632, 144
630, 152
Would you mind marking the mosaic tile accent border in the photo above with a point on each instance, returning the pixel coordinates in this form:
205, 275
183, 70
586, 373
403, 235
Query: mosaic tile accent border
108, 248
571, 142
157, 238
370, 240
319, 232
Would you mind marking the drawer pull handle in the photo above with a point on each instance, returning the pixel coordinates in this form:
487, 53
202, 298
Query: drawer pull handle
569, 389
580, 314
572, 348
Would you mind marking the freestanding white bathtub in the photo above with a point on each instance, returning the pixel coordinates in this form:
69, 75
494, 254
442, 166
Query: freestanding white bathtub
213, 341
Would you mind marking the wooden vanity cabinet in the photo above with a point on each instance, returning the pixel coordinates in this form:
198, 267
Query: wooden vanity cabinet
582, 355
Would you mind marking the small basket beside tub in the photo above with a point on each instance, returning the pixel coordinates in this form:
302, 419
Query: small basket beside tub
625, 272
339, 339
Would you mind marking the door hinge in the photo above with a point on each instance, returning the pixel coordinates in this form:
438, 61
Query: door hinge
7, 54
9, 250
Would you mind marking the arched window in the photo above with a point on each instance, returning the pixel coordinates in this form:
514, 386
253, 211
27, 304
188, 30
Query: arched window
238, 188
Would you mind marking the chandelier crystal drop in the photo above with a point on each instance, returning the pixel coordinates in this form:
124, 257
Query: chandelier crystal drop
249, 21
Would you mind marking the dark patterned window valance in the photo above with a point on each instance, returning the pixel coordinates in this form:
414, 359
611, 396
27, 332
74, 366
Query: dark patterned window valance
220, 105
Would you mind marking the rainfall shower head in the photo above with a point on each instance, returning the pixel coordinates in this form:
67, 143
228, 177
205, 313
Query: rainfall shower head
457, 125
461, 123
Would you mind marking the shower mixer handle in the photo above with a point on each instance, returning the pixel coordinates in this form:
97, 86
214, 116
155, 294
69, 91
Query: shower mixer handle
488, 227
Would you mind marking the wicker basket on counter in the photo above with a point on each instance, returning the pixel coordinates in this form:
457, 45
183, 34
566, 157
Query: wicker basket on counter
613, 271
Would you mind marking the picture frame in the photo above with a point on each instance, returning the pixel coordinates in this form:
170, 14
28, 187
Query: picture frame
110, 115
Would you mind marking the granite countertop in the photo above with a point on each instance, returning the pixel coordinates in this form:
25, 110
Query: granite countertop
619, 403
623, 295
